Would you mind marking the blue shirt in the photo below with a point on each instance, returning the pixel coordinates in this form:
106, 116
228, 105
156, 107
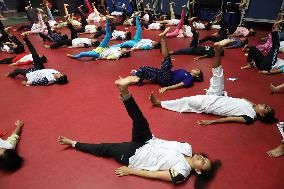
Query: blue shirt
181, 75
236, 43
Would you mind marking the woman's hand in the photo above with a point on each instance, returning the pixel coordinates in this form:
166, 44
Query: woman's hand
205, 122
162, 90
122, 171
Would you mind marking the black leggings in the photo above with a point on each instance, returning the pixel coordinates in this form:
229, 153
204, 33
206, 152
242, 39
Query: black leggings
7, 60
83, 22
265, 62
121, 152
67, 42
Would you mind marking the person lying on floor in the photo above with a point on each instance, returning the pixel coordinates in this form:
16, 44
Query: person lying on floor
40, 26
38, 75
9, 158
181, 30
30, 17
268, 64
173, 20
137, 42
194, 49
52, 35
85, 27
115, 34
243, 32
233, 42
103, 51
13, 44
141, 155
164, 76
279, 150
214, 102
74, 22
75, 41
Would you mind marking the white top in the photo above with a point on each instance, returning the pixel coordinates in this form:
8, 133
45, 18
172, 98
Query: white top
279, 63
198, 25
281, 45
52, 23
26, 58
116, 13
6, 48
211, 104
94, 17
154, 26
173, 22
144, 42
111, 53
159, 155
185, 32
38, 28
41, 74
90, 28
115, 34
78, 42
146, 17
5, 144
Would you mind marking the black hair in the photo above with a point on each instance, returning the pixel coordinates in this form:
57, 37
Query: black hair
95, 43
268, 117
43, 59
62, 80
126, 54
163, 27
10, 160
252, 33
157, 45
128, 35
202, 180
199, 77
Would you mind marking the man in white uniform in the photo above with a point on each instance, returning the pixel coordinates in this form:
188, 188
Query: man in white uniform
214, 102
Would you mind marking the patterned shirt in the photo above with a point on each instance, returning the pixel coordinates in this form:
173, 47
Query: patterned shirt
41, 77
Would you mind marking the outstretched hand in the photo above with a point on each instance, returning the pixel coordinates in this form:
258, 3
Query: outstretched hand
205, 122
122, 171
163, 90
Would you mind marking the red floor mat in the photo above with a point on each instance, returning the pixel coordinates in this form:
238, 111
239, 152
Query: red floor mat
88, 109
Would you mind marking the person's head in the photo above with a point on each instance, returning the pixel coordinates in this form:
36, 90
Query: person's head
95, 42
43, 59
61, 79
252, 32
156, 45
125, 53
265, 113
244, 40
10, 160
162, 27
205, 170
128, 35
197, 74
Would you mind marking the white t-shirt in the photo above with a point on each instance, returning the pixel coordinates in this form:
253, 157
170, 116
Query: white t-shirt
5, 145
26, 58
111, 53
41, 74
154, 26
185, 32
143, 43
115, 34
211, 104
94, 17
198, 25
6, 48
159, 155
281, 45
90, 28
80, 42
146, 17
173, 22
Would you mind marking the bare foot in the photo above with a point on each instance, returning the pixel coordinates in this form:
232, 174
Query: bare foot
19, 123
276, 152
123, 83
7, 74
154, 100
273, 88
70, 55
64, 141
47, 46
163, 34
